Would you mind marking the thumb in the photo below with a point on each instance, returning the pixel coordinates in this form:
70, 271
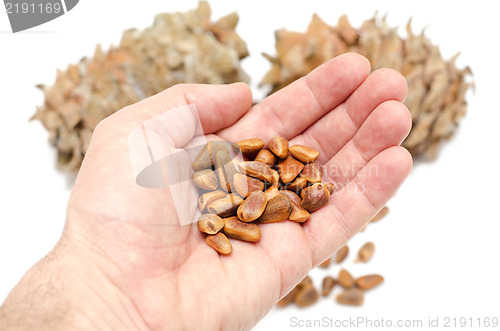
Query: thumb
118, 150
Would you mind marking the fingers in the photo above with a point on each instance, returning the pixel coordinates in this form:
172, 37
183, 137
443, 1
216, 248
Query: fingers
387, 126
287, 246
291, 110
217, 106
335, 129
295, 249
357, 202
384, 84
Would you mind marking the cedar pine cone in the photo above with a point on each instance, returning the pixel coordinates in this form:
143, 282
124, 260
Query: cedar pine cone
178, 48
436, 88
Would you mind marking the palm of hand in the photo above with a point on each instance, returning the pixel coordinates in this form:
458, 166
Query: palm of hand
171, 277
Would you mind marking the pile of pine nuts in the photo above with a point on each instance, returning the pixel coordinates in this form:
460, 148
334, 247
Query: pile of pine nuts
275, 184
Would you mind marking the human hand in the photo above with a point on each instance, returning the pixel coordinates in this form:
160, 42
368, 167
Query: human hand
124, 269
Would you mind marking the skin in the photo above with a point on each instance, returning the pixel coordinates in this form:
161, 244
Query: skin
112, 269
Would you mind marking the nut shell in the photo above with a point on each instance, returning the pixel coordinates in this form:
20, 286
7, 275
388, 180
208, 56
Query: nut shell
292, 196
306, 296
272, 191
206, 157
205, 179
220, 243
304, 154
288, 299
267, 157
225, 170
289, 169
208, 197
277, 210
314, 197
353, 297
253, 207
342, 254
210, 223
234, 228
368, 282
328, 285
226, 206
366, 252
312, 172
345, 279
297, 185
257, 169
298, 214
251, 145
245, 185
279, 146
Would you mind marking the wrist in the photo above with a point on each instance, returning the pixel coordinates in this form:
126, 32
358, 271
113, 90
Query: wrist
68, 290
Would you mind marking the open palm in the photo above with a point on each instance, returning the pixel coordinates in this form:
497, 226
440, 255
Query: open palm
167, 277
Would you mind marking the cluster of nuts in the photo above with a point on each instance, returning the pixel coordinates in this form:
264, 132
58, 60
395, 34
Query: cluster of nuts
305, 294
270, 185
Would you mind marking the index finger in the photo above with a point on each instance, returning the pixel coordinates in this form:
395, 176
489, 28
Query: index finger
293, 109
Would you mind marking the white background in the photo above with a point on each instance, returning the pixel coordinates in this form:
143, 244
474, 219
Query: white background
438, 248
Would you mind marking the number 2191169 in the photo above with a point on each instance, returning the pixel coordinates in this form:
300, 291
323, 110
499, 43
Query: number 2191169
462, 322
32, 8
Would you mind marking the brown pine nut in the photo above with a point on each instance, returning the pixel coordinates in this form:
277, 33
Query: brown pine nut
203, 159
234, 228
288, 299
253, 207
277, 210
303, 153
342, 254
297, 185
345, 279
205, 179
292, 196
314, 197
220, 243
226, 206
306, 281
267, 157
210, 223
289, 169
368, 282
298, 214
325, 264
279, 146
330, 187
365, 253
225, 170
328, 285
251, 145
245, 185
206, 157
306, 296
381, 214
353, 297
276, 177
272, 191
311, 172
256, 169
208, 197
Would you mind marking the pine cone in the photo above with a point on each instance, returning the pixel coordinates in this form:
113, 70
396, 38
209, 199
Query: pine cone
178, 48
436, 88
